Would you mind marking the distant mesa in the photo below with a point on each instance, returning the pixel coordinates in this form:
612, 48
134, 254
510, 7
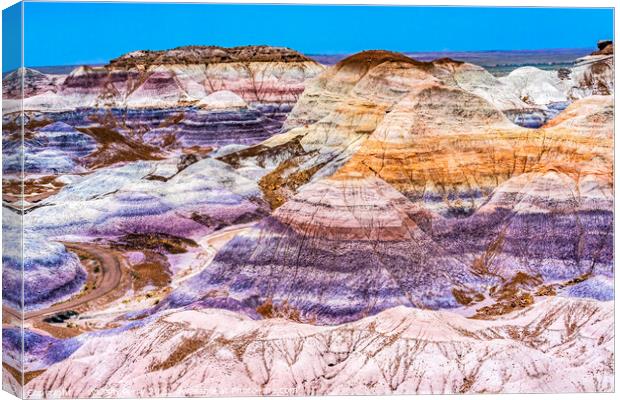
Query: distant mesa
209, 55
236, 95
447, 60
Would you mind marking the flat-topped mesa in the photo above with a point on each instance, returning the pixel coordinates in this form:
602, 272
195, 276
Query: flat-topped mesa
204, 96
190, 55
268, 78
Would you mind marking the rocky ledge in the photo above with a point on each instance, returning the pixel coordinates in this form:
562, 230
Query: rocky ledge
208, 55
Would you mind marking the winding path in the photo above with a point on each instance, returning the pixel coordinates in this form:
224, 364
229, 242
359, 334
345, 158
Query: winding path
111, 272
107, 281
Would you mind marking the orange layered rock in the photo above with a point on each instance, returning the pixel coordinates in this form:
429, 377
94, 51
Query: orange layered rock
355, 209
421, 150
345, 105
414, 125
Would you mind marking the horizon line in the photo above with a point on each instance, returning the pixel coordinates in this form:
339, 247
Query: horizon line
327, 53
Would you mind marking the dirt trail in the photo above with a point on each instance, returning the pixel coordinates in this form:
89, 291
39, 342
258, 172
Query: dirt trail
218, 239
109, 262
109, 279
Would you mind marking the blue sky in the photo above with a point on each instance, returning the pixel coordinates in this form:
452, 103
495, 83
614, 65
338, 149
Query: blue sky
11, 37
82, 33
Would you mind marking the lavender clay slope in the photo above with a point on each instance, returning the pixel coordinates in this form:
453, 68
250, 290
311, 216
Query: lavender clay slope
113, 202
336, 252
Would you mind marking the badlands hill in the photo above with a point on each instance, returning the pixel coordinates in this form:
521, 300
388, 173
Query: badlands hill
358, 229
403, 188
385, 164
591, 75
206, 97
34, 81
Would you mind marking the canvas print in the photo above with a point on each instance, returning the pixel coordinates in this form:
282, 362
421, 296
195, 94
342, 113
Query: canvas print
258, 200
